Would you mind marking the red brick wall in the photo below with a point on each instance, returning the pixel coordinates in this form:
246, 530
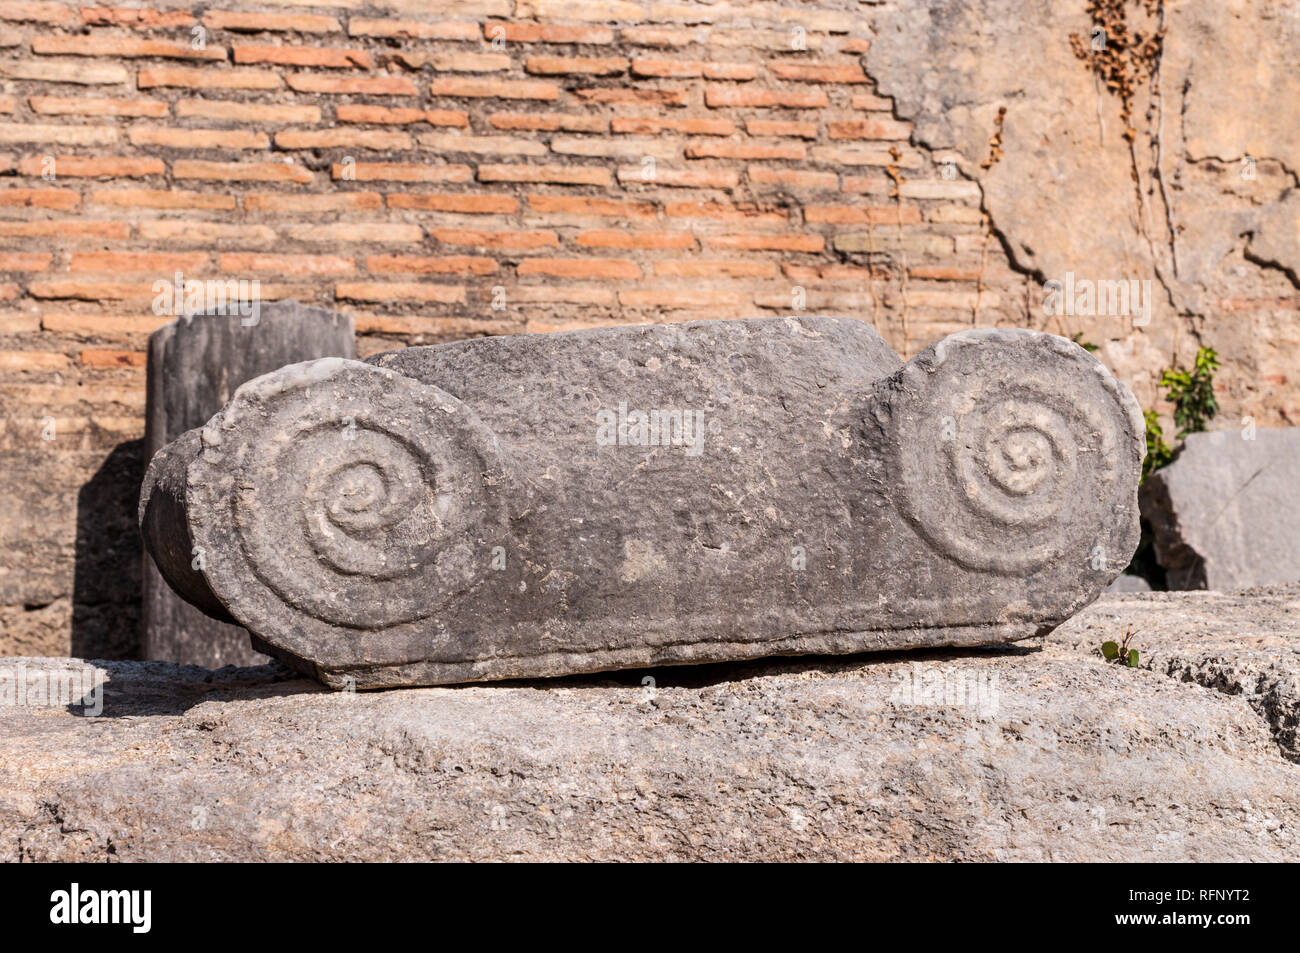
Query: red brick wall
439, 169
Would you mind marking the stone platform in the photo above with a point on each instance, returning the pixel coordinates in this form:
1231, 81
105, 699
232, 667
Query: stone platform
1039, 751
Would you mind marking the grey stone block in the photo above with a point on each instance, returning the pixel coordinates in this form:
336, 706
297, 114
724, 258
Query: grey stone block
1127, 583
1226, 514
548, 504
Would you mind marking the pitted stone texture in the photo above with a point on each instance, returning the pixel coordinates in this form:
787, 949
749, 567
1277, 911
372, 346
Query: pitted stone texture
1226, 513
1078, 760
1244, 643
452, 513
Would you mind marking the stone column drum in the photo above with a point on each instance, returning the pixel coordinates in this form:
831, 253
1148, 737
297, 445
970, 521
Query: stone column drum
540, 505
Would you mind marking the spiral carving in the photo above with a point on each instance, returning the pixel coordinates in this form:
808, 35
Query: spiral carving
357, 496
1009, 449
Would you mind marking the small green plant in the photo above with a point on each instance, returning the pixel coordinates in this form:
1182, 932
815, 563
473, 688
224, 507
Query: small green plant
1119, 652
1192, 392
1159, 453
1086, 345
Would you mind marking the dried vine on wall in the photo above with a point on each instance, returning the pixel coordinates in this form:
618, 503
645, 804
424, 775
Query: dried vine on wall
1124, 62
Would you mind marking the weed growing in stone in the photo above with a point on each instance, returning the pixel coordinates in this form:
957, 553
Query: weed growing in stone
1159, 453
1119, 652
1192, 392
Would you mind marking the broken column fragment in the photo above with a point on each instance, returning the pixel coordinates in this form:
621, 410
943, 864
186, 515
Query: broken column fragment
195, 363
1225, 514
541, 505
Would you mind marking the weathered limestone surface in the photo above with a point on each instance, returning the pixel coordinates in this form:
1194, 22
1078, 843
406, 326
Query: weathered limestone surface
453, 513
1193, 756
195, 363
1244, 643
1220, 247
1226, 513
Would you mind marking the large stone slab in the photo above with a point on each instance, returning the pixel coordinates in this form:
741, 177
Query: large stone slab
1226, 514
195, 364
1011, 754
508, 508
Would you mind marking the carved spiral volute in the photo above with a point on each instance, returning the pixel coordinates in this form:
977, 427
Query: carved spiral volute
357, 496
1011, 448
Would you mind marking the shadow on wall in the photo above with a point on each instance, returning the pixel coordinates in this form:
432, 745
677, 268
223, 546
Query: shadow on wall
106, 577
